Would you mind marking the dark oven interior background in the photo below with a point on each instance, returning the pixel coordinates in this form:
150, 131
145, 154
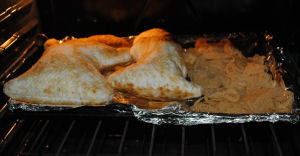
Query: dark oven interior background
82, 132
129, 17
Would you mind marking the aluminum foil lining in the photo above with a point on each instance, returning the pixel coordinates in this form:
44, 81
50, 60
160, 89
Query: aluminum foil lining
15, 105
174, 114
171, 114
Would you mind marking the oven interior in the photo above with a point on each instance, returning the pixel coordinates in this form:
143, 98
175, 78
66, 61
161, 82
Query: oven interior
26, 24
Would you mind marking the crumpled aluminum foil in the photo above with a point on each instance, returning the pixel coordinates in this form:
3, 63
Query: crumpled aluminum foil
171, 114
174, 114
15, 105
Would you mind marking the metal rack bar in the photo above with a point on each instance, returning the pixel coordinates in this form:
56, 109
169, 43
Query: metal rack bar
10, 11
24, 143
246, 144
229, 145
38, 136
17, 35
213, 138
65, 138
94, 138
152, 140
38, 147
10, 134
9, 131
182, 140
120, 149
207, 145
275, 140
3, 110
251, 144
18, 62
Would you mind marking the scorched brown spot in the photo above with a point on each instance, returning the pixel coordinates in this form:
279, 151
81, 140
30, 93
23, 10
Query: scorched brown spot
47, 90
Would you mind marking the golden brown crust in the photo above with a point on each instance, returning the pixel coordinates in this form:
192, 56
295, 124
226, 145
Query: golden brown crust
68, 74
159, 72
152, 35
110, 40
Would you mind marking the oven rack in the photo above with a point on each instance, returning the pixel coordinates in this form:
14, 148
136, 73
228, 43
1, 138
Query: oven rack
126, 136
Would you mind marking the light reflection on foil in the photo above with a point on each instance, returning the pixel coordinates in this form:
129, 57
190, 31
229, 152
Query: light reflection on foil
14, 105
174, 116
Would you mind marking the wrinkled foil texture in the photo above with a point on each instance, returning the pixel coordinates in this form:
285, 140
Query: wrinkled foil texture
174, 115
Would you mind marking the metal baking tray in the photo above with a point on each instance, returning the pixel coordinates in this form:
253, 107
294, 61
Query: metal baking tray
249, 43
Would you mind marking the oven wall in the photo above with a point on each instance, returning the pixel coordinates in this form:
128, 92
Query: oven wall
178, 16
127, 17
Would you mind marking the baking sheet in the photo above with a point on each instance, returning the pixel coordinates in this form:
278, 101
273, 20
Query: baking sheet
173, 113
